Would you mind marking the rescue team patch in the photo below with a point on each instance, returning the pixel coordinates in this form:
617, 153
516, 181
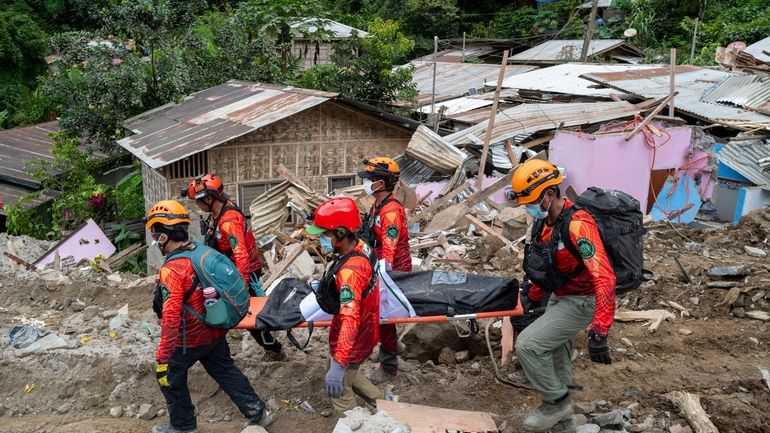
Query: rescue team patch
586, 248
163, 291
233, 241
346, 295
392, 231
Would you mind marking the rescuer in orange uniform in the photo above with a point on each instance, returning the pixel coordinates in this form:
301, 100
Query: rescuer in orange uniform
184, 338
586, 297
350, 291
228, 231
385, 229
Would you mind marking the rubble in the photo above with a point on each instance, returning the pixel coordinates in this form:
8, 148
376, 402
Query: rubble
754, 252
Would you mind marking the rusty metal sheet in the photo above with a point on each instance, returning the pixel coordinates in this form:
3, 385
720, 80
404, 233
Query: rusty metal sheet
10, 194
432, 150
213, 116
531, 118
568, 50
691, 85
454, 79
452, 55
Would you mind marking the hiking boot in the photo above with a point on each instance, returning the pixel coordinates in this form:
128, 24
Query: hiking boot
271, 356
519, 378
268, 417
381, 376
168, 428
548, 415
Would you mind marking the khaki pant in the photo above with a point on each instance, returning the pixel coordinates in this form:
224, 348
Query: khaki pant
355, 384
544, 348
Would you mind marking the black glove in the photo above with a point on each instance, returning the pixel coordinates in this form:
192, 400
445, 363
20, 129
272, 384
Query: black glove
526, 302
598, 350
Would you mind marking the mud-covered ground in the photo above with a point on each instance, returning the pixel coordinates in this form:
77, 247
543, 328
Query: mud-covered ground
716, 353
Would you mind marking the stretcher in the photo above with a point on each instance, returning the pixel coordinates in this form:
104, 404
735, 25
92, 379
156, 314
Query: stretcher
256, 304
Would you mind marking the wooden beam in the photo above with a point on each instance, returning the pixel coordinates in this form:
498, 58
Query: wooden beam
473, 220
20, 261
269, 260
672, 83
511, 155
491, 123
481, 195
589, 31
649, 117
690, 407
542, 140
441, 201
289, 175
285, 263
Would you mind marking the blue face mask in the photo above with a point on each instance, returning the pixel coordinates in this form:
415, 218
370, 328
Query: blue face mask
326, 243
535, 212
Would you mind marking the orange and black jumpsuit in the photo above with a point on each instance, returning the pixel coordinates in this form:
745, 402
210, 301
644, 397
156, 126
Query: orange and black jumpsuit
392, 245
231, 235
185, 340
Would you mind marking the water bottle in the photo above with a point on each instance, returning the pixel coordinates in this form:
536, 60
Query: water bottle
314, 285
210, 296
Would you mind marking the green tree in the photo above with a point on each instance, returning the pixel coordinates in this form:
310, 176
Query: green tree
363, 68
96, 88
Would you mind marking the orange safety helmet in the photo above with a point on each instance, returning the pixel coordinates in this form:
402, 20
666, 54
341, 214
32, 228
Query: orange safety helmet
380, 166
167, 212
531, 179
199, 187
337, 212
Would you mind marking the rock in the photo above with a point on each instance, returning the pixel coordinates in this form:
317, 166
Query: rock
579, 419
120, 320
695, 300
116, 411
588, 428
161, 413
253, 429
90, 312
626, 342
754, 252
462, 356
115, 278
758, 315
614, 418
475, 368
273, 404
118, 392
77, 305
676, 428
739, 313
728, 271
646, 425
147, 411
129, 414
723, 284
447, 356
64, 408
685, 331
584, 408
754, 341
603, 404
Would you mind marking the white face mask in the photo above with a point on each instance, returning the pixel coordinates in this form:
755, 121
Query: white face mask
368, 186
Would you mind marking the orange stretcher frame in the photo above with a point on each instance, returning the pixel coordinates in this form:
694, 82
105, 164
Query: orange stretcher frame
256, 305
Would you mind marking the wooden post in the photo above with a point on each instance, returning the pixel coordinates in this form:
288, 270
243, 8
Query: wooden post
672, 84
511, 155
589, 31
650, 116
491, 124
694, 39
464, 47
433, 92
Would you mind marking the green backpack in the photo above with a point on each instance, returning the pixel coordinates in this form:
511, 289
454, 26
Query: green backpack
214, 269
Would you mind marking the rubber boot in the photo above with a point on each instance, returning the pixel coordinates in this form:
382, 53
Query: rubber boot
548, 415
566, 426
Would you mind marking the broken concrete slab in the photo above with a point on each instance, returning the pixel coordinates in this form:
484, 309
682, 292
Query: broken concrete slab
758, 315
447, 218
728, 271
754, 252
147, 411
426, 419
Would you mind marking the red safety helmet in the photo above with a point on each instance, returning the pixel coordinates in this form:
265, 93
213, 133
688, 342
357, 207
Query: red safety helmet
206, 185
337, 212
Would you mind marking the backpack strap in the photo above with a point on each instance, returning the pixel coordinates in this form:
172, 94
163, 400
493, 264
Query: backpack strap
564, 234
368, 226
213, 223
296, 343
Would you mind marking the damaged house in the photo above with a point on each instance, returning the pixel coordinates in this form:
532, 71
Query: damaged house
245, 131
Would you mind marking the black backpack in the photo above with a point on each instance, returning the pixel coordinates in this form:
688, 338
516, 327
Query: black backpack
327, 296
618, 218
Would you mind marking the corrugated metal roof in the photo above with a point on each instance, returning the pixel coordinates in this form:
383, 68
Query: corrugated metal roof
20, 144
691, 83
456, 56
435, 152
531, 118
565, 50
213, 116
743, 90
458, 105
454, 79
10, 194
413, 172
744, 156
566, 79
337, 30
756, 49
269, 211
